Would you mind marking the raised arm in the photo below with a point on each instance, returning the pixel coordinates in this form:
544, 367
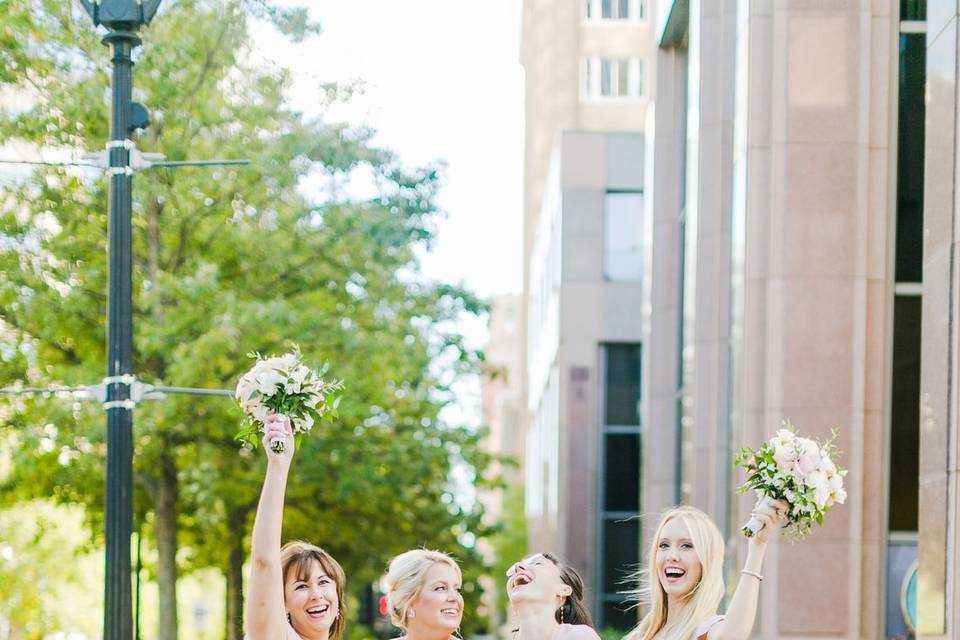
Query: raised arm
266, 614
742, 612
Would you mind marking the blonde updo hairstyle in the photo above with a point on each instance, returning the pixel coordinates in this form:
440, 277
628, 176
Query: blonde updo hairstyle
405, 577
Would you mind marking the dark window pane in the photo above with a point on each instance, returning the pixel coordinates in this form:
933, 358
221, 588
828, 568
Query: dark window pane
621, 553
905, 414
619, 615
622, 384
623, 9
606, 8
910, 149
622, 472
913, 9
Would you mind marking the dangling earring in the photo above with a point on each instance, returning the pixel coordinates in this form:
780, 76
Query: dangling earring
561, 614
289, 621
412, 614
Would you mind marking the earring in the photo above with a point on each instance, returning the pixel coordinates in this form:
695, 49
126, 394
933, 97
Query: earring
412, 614
561, 614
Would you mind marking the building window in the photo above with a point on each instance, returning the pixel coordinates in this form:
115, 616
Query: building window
904, 383
612, 78
619, 528
597, 10
623, 236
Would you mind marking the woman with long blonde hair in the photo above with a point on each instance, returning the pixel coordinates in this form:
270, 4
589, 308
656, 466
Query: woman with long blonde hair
684, 578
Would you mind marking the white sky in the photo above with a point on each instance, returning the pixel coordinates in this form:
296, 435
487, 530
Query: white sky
443, 82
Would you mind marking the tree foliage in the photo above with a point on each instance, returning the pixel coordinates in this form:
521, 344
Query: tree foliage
227, 260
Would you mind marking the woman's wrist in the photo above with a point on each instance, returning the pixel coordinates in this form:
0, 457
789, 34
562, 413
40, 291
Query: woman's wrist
278, 464
755, 555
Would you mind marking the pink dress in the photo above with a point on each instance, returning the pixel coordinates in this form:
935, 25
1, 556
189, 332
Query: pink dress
705, 627
575, 632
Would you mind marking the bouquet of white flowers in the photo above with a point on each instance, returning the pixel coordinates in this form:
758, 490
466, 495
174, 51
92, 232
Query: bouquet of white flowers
286, 386
797, 471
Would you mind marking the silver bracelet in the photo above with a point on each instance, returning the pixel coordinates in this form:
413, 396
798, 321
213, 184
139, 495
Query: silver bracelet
751, 573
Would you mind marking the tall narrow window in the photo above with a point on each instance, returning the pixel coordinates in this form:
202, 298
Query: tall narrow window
623, 236
904, 390
619, 529
606, 77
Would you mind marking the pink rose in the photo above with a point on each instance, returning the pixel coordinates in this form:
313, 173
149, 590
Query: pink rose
809, 458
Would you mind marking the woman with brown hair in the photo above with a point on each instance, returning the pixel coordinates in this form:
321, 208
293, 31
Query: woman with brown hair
546, 596
296, 591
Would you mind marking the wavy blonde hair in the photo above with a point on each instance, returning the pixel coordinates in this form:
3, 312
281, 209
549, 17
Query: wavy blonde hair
702, 601
405, 577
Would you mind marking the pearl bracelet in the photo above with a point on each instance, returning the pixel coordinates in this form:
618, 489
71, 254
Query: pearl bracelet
751, 573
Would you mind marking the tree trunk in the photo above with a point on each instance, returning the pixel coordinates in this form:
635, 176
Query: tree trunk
166, 525
234, 575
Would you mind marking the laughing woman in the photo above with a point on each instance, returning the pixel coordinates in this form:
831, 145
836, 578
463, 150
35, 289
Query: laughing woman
546, 596
296, 591
685, 578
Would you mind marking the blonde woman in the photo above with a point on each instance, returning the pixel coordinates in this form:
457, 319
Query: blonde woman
546, 596
424, 595
296, 591
685, 578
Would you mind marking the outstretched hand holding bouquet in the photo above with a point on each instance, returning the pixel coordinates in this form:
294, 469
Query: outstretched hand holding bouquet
799, 473
285, 386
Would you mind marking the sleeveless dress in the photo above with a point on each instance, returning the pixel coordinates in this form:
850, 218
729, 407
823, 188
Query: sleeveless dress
575, 632
705, 627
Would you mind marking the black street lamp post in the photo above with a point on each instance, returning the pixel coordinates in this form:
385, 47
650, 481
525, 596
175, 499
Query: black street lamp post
122, 18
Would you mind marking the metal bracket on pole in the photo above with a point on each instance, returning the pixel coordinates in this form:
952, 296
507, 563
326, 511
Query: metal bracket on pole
127, 379
119, 404
127, 144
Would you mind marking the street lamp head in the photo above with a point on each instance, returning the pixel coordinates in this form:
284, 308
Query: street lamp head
121, 14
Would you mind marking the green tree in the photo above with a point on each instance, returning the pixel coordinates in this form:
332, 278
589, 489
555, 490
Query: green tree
226, 261
43, 558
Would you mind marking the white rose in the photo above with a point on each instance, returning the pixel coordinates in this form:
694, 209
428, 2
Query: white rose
785, 435
287, 361
268, 381
245, 387
260, 413
784, 453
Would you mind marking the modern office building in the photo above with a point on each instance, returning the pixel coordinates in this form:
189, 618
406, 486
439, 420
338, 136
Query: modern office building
804, 215
796, 213
587, 84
